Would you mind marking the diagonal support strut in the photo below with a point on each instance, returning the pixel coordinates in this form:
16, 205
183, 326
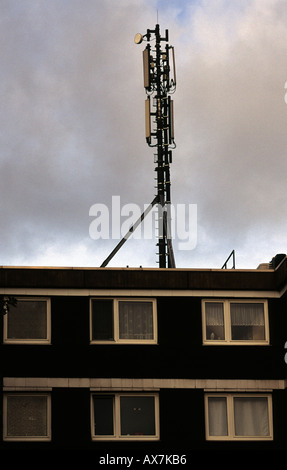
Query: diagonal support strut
133, 228
130, 232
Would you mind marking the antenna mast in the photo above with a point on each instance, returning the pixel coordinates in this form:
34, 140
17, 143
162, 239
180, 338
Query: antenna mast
160, 83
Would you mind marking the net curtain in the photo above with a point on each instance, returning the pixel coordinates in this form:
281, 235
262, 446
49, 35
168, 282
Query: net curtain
250, 416
135, 320
242, 314
247, 314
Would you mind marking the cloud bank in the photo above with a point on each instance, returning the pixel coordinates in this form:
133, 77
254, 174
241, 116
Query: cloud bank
72, 127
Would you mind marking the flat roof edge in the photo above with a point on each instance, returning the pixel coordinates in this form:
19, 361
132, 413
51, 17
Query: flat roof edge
128, 268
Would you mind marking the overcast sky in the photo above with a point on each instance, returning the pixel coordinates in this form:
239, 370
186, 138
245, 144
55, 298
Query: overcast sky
72, 128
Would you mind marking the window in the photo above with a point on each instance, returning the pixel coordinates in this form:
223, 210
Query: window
28, 322
27, 417
125, 417
234, 321
238, 416
123, 321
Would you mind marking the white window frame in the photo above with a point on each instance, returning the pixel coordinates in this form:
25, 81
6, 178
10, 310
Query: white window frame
231, 420
117, 418
46, 340
227, 322
117, 339
6, 437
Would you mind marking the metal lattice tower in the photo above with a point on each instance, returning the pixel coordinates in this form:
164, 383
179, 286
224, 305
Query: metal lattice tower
160, 84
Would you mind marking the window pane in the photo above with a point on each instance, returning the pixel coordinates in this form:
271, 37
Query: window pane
135, 320
104, 415
26, 416
247, 321
28, 320
251, 416
214, 321
102, 320
217, 416
137, 416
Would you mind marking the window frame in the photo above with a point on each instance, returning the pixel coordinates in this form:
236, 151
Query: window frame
38, 341
6, 437
117, 418
231, 436
116, 325
227, 323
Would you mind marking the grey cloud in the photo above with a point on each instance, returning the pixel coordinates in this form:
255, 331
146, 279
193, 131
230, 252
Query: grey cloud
72, 127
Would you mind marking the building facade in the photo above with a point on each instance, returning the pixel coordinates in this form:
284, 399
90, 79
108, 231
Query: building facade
148, 361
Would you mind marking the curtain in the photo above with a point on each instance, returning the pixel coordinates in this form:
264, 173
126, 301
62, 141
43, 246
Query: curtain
217, 416
135, 320
251, 416
247, 321
214, 318
247, 314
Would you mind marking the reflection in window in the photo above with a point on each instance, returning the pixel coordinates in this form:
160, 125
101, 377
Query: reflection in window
104, 415
26, 417
28, 321
125, 416
137, 416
